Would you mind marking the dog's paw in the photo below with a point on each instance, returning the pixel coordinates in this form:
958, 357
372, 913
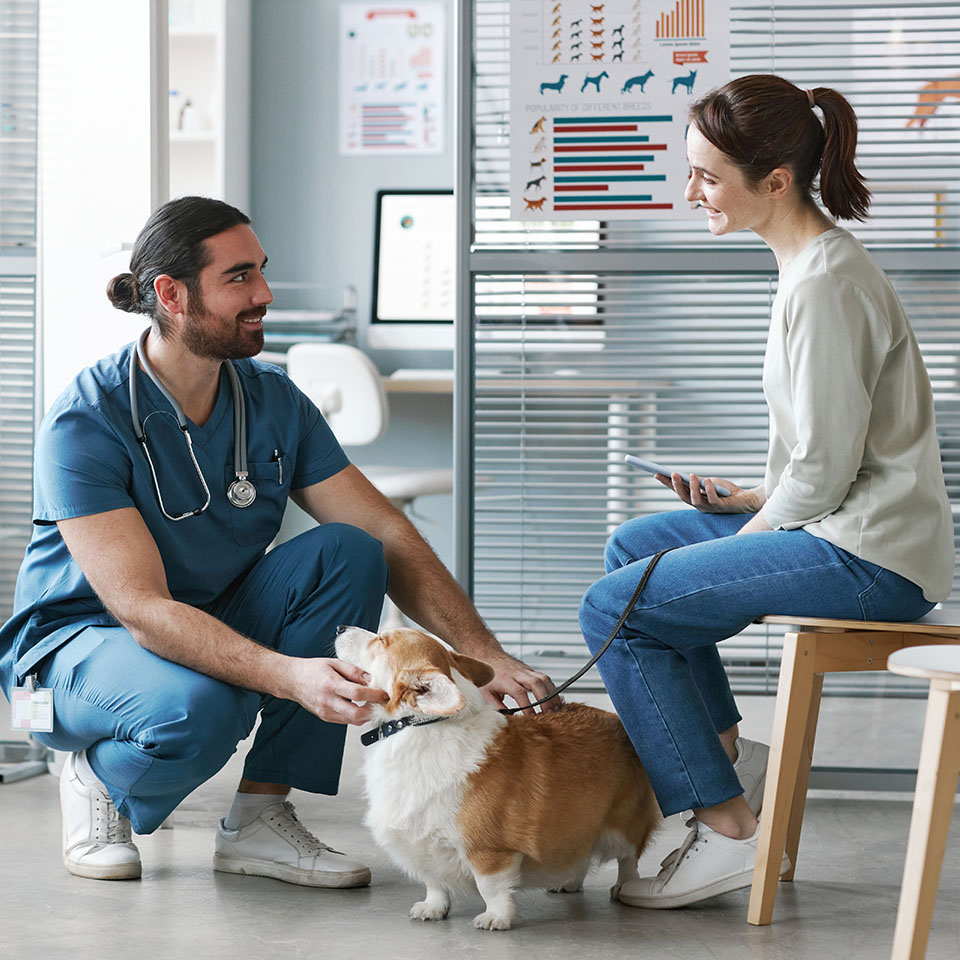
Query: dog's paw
568, 886
615, 891
424, 910
491, 921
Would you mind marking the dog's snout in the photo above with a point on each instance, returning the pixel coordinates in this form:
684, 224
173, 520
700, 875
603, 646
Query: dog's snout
342, 628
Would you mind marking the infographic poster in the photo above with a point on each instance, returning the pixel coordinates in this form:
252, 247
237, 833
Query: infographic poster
392, 78
599, 100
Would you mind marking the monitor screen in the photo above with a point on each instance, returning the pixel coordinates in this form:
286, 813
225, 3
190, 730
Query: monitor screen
414, 270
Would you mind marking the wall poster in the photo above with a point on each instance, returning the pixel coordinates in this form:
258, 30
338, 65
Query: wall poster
392, 78
599, 98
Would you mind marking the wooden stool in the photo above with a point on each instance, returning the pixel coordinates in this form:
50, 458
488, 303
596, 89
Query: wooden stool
813, 648
937, 775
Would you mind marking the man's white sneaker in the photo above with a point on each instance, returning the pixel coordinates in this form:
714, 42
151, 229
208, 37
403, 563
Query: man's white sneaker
751, 769
96, 838
706, 865
278, 845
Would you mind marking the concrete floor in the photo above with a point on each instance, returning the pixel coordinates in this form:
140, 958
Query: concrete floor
842, 905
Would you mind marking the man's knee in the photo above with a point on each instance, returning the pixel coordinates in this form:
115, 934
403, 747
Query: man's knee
202, 724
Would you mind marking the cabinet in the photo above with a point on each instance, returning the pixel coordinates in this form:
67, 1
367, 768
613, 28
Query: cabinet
209, 102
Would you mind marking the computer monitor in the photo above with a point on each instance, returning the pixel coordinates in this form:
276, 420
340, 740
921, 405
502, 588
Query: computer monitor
414, 285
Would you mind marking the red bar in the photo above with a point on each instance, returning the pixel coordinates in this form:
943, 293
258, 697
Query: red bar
642, 148
603, 166
612, 206
565, 129
573, 188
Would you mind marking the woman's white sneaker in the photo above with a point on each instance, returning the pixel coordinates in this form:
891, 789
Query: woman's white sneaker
96, 838
278, 845
751, 769
706, 865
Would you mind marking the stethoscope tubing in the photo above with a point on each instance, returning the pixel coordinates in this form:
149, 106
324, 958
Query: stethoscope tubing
248, 494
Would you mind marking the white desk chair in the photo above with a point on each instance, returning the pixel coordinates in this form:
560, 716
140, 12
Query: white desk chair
345, 385
937, 774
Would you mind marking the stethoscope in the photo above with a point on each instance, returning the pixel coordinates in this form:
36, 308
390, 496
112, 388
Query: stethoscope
242, 492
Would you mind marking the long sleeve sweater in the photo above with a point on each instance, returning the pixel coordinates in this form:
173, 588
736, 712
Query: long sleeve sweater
854, 456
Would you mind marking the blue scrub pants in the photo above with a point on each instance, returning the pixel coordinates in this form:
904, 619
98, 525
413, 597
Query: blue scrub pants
155, 730
663, 672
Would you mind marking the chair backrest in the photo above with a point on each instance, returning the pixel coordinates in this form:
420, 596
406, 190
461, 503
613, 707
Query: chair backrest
343, 382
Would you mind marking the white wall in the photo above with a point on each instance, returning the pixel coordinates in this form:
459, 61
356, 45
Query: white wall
95, 184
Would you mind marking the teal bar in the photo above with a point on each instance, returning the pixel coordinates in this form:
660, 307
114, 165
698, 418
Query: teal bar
608, 159
601, 198
601, 139
652, 176
559, 120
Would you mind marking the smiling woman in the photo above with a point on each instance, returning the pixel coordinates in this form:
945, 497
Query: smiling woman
852, 519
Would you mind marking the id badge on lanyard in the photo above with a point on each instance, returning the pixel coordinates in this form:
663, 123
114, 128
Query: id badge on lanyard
32, 707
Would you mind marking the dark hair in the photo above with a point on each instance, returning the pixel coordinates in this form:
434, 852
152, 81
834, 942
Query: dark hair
171, 242
762, 122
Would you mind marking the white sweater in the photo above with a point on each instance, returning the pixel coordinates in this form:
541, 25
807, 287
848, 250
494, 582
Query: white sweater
854, 457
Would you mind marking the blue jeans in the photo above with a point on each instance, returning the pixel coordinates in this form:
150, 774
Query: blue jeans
155, 730
663, 672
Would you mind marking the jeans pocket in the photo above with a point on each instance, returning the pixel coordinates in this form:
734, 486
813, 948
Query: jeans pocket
894, 598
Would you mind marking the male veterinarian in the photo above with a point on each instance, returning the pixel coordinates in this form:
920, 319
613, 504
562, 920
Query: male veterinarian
146, 602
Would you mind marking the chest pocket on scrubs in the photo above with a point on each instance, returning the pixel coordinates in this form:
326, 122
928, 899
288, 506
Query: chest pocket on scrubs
258, 524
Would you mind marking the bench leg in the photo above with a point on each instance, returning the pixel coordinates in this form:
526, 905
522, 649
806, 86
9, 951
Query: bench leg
787, 741
932, 809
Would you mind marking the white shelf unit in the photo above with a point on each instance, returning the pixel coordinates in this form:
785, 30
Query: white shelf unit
209, 107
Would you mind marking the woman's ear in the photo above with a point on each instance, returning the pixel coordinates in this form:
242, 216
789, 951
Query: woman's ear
777, 182
477, 672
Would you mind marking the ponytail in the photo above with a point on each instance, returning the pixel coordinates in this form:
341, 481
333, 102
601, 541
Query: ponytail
842, 186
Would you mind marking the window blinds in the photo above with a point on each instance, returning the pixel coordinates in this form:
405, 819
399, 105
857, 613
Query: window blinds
595, 339
18, 150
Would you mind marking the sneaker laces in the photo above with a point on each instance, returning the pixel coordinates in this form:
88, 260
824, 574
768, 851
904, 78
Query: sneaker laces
110, 825
671, 863
673, 854
286, 820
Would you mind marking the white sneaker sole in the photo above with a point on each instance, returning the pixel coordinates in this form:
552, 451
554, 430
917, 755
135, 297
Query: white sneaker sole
247, 866
112, 871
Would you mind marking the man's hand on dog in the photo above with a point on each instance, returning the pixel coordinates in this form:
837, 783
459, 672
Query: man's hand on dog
329, 687
516, 680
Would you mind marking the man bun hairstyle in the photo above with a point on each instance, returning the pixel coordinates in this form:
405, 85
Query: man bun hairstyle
762, 122
171, 242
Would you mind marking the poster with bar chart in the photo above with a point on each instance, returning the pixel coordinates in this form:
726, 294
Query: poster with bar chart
599, 94
392, 78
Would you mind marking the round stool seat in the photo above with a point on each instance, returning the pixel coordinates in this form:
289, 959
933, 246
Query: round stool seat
939, 662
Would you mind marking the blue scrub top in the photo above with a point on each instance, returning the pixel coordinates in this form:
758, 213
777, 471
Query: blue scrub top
87, 460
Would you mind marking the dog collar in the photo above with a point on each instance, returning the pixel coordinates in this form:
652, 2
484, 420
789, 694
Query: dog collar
391, 727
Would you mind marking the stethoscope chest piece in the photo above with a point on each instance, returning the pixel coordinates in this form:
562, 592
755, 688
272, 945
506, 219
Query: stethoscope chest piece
241, 493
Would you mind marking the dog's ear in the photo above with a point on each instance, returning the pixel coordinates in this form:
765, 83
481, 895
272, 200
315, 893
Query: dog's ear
478, 672
431, 692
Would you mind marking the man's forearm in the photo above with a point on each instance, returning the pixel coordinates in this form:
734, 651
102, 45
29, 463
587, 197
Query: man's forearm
423, 588
188, 636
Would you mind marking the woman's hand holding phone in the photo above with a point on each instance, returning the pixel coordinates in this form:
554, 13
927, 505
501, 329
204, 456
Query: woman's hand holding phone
701, 492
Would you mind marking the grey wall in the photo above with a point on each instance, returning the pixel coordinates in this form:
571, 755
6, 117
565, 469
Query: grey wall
313, 209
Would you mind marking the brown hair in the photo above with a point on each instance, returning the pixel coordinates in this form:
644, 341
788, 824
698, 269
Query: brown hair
171, 242
762, 122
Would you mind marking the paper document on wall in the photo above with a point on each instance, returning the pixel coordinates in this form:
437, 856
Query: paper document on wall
599, 100
392, 78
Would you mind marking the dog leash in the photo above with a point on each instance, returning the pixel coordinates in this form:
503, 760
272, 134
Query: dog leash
401, 723
613, 633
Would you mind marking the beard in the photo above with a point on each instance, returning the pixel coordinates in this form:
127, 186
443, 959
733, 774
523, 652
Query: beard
212, 337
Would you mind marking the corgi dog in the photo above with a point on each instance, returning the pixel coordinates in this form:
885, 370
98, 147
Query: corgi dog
462, 797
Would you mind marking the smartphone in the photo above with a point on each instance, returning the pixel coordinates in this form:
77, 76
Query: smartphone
652, 467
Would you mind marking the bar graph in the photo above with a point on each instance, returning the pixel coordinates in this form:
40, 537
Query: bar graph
686, 21
609, 163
